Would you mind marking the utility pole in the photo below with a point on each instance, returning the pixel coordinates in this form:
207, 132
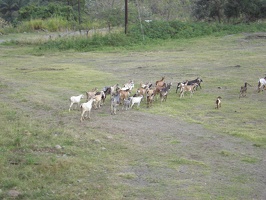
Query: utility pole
126, 16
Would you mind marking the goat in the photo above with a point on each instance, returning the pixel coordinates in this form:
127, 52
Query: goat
110, 89
127, 103
218, 102
124, 94
261, 84
150, 100
243, 90
164, 92
115, 101
142, 90
128, 86
75, 100
158, 89
190, 88
161, 82
99, 99
91, 94
197, 80
136, 100
149, 92
145, 86
179, 84
107, 90
86, 107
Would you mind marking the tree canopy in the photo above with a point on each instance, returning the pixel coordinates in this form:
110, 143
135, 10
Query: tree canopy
111, 12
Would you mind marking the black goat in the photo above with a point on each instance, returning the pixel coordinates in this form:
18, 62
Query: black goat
197, 80
164, 92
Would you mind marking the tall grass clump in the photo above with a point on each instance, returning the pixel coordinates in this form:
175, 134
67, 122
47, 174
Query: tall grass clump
51, 25
85, 43
5, 26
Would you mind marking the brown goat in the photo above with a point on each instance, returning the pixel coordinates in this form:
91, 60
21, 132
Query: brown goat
150, 100
149, 92
161, 82
124, 94
142, 91
243, 90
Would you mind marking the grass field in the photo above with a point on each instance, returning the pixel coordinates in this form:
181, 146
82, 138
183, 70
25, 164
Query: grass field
180, 149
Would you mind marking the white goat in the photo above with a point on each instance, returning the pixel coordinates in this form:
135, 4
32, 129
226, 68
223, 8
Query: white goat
261, 84
136, 100
75, 100
86, 107
129, 85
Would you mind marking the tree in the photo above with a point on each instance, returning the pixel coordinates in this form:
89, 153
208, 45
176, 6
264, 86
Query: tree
166, 9
246, 10
209, 9
8, 8
43, 12
109, 11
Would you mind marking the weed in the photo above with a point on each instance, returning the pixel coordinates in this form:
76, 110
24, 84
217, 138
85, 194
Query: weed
248, 159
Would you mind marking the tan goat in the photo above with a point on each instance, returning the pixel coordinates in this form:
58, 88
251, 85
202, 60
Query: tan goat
187, 88
99, 97
150, 100
91, 93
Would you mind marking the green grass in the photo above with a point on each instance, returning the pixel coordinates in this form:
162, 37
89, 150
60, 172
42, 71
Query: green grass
34, 118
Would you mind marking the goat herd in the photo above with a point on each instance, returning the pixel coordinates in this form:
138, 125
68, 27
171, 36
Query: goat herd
146, 92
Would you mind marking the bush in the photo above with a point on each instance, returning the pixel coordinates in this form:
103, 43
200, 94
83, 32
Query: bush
177, 29
45, 12
151, 32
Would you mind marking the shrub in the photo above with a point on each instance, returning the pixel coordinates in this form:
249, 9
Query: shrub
177, 29
45, 12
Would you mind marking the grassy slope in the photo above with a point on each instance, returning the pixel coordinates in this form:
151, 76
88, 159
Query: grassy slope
38, 88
